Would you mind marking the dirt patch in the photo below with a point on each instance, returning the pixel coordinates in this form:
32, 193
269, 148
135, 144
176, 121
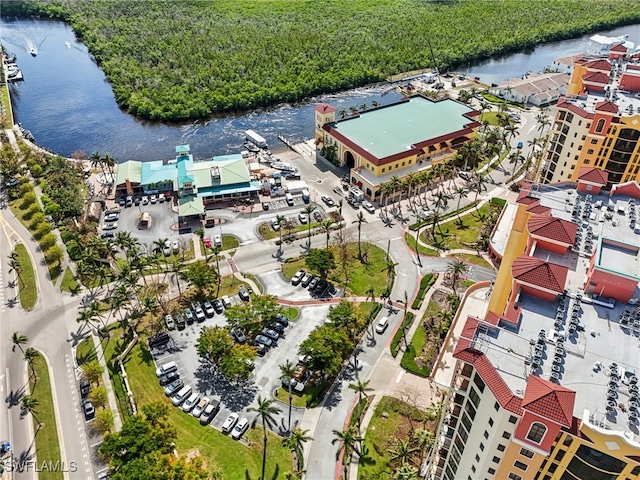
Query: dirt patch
439, 296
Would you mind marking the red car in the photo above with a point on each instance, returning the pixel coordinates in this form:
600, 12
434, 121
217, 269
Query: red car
207, 242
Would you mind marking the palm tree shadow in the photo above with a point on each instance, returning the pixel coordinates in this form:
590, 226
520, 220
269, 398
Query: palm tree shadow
25, 457
247, 476
276, 472
14, 397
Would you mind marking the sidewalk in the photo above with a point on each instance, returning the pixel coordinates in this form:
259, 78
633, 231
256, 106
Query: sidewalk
113, 404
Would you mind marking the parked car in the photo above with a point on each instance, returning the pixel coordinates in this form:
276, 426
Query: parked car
317, 216
175, 246
368, 206
297, 278
161, 198
275, 225
313, 283
181, 396
306, 280
266, 341
217, 240
168, 320
189, 315
328, 200
145, 200
153, 198
229, 423
199, 313
191, 402
110, 226
209, 311
238, 336
278, 327
209, 412
108, 235
218, 306
261, 349
111, 217
166, 368
280, 318
272, 334
89, 410
207, 242
180, 323
169, 378
167, 248
173, 387
265, 205
243, 294
240, 428
85, 387
199, 408
121, 201
303, 217
226, 301
159, 339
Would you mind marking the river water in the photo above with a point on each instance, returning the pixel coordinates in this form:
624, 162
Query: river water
68, 105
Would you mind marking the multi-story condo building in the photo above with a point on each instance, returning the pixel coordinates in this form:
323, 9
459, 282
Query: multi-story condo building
393, 140
541, 367
597, 124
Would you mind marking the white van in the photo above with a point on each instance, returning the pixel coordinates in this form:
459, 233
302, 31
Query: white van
289, 198
166, 368
382, 325
181, 396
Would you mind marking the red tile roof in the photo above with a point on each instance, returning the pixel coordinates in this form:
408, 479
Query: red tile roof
598, 64
539, 209
593, 175
597, 77
324, 108
553, 228
491, 378
549, 400
537, 272
618, 48
606, 107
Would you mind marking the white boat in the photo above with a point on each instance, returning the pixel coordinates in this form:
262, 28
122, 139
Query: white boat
284, 167
33, 51
256, 139
601, 44
68, 44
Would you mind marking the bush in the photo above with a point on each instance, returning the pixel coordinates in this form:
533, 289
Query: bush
42, 229
315, 395
48, 241
29, 198
425, 284
397, 338
408, 362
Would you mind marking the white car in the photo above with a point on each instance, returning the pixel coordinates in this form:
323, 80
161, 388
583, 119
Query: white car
111, 217
297, 278
303, 217
368, 206
191, 402
161, 198
328, 200
275, 225
110, 226
175, 246
145, 200
168, 320
240, 428
229, 423
153, 199
167, 248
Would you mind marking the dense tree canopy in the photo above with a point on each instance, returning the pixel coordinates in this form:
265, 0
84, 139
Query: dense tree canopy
172, 60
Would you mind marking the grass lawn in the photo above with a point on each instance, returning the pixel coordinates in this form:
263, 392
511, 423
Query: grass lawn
229, 242
415, 347
7, 121
85, 351
235, 460
256, 281
491, 118
410, 240
47, 446
474, 259
282, 394
362, 276
377, 440
467, 283
268, 233
291, 313
432, 310
459, 236
27, 280
69, 283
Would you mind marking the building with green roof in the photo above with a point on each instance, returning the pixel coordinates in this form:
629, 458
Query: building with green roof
194, 184
394, 140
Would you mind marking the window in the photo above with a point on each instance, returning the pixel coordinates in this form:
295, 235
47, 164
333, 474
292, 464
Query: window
479, 383
559, 455
600, 126
482, 447
513, 476
495, 459
594, 141
470, 410
536, 432
635, 471
403, 164
520, 465
525, 452
501, 448
506, 435
491, 471
473, 396
383, 169
490, 422
569, 439
590, 151
496, 406
486, 435
477, 458
513, 419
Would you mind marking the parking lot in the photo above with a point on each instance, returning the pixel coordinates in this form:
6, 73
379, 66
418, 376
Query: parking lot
237, 396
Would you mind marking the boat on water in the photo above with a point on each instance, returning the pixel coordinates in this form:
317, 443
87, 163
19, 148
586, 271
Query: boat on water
9, 58
251, 147
68, 44
33, 50
600, 45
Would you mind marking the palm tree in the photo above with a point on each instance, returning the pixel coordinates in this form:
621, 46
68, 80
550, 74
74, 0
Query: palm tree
390, 268
308, 210
402, 451
326, 227
200, 234
347, 441
462, 193
30, 354
109, 162
265, 411
353, 109
406, 472
479, 184
296, 442
159, 246
457, 268
280, 219
15, 265
423, 439
515, 158
360, 388
360, 219
18, 340
288, 370
363, 106
30, 404
342, 113
96, 161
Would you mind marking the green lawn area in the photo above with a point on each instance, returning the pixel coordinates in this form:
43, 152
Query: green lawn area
85, 351
415, 347
229, 242
282, 394
379, 435
361, 276
47, 446
69, 283
291, 313
491, 117
432, 310
459, 236
27, 280
268, 233
236, 461
474, 259
7, 121
410, 240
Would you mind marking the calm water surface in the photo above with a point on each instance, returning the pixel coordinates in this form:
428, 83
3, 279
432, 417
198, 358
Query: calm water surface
68, 105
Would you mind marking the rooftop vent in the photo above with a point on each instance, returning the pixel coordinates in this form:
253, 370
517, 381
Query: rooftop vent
215, 173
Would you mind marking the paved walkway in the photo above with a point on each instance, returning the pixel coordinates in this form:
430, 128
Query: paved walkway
113, 403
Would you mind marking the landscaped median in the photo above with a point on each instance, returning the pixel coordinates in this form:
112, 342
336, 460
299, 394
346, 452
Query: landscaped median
44, 418
26, 277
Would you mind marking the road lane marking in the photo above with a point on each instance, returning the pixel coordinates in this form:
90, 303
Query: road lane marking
399, 376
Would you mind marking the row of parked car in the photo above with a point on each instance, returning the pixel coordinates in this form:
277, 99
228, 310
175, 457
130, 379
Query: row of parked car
201, 407
200, 311
318, 287
87, 407
268, 337
130, 200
